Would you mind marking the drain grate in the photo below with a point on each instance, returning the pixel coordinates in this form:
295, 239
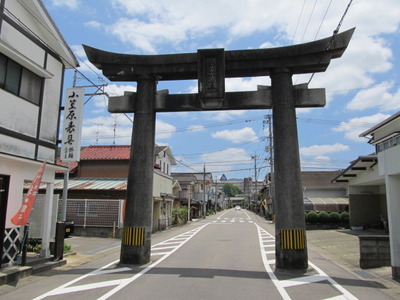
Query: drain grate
364, 274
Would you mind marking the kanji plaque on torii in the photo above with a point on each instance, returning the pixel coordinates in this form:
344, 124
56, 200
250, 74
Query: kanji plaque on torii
210, 67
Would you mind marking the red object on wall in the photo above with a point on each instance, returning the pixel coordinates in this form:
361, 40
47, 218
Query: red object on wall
22, 216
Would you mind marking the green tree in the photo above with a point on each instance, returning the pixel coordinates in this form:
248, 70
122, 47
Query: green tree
231, 190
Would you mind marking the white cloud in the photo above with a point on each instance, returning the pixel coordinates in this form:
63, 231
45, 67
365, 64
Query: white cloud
195, 128
192, 20
224, 115
216, 162
246, 134
119, 89
356, 126
364, 57
78, 51
237, 155
320, 161
93, 24
318, 150
151, 25
377, 96
225, 160
245, 84
164, 130
71, 4
101, 102
107, 130
118, 127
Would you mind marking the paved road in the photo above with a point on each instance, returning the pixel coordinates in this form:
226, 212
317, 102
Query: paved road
226, 256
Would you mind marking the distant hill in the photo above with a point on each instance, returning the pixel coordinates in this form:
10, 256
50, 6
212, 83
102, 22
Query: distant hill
224, 179
235, 179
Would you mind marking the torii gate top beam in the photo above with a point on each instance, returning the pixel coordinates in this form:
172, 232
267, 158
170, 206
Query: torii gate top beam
299, 59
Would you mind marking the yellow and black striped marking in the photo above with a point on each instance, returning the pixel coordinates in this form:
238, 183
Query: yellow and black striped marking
133, 236
292, 239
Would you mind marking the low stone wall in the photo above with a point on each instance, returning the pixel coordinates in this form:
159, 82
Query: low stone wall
103, 232
374, 251
327, 226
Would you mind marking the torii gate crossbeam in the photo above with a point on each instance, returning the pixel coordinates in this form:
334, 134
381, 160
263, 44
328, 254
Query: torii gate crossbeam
211, 67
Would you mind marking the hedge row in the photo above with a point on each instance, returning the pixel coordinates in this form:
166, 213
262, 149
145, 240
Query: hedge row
323, 217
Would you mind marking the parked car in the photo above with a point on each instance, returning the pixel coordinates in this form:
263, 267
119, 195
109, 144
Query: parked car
237, 207
69, 228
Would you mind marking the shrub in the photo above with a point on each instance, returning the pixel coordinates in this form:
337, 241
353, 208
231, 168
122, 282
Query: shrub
67, 248
334, 217
312, 217
344, 217
34, 245
210, 212
179, 215
323, 217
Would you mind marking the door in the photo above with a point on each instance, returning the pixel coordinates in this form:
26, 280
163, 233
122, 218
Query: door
4, 183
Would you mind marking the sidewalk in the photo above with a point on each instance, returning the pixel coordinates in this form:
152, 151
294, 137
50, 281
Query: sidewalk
342, 247
84, 249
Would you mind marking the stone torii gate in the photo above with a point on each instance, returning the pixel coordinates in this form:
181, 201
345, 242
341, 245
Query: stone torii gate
211, 67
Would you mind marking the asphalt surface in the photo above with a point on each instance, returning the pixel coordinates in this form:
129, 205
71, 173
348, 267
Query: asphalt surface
339, 246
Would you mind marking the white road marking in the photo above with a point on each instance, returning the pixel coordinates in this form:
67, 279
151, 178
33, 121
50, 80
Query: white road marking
121, 283
119, 270
281, 285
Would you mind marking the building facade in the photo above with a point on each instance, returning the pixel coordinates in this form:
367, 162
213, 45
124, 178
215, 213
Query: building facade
33, 58
374, 185
97, 189
197, 192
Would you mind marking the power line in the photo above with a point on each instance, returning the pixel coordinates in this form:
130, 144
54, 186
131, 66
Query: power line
335, 33
309, 19
298, 21
323, 19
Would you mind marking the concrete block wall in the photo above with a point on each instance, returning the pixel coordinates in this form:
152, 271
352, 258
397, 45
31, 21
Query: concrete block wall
374, 251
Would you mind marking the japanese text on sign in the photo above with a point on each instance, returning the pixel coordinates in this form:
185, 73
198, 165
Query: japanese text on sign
72, 126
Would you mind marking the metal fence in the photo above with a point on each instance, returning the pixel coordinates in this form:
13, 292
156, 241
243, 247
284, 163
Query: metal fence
95, 212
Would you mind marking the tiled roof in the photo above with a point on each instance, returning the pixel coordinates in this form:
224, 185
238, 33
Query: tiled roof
71, 166
319, 178
88, 184
97, 152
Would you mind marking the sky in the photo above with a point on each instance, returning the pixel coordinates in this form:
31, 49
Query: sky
362, 87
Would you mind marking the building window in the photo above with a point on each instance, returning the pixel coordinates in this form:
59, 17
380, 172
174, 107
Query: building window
388, 144
19, 81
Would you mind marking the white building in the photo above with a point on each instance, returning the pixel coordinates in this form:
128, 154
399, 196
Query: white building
33, 57
386, 138
374, 184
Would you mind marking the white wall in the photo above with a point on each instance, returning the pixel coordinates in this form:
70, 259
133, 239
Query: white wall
389, 161
51, 97
20, 171
18, 114
162, 184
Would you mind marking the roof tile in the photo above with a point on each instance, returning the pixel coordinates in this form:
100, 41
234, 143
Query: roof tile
97, 152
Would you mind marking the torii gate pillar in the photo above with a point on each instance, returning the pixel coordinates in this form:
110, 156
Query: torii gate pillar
290, 249
136, 240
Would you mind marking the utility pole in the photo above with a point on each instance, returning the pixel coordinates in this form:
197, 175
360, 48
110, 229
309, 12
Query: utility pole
255, 177
204, 191
66, 174
216, 194
269, 148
